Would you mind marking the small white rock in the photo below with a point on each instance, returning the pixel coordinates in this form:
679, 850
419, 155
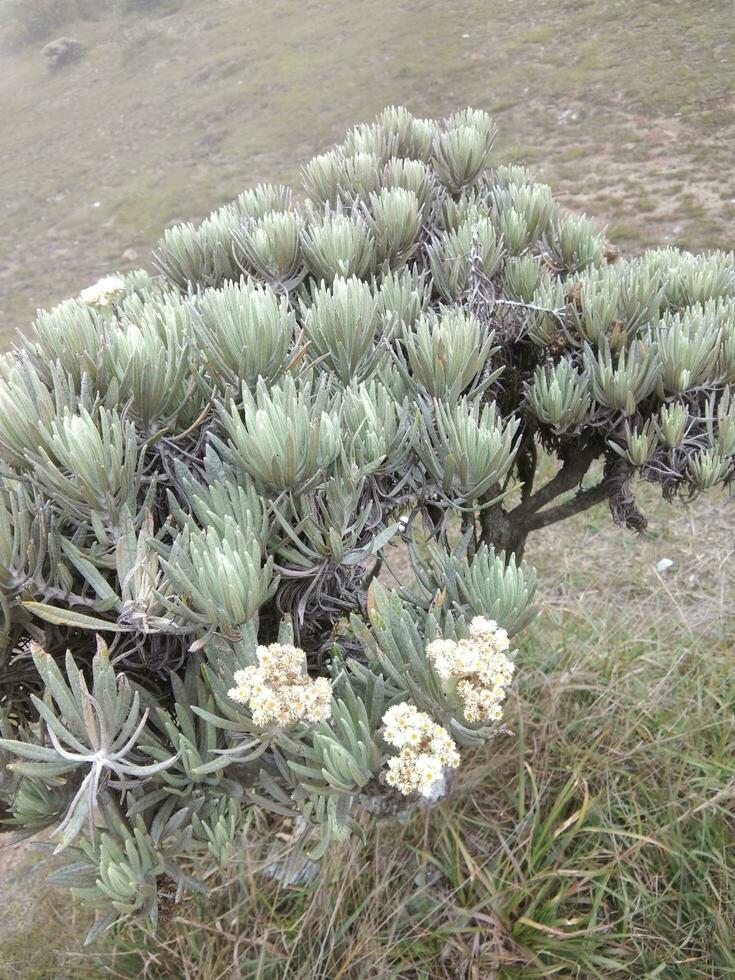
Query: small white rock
664, 565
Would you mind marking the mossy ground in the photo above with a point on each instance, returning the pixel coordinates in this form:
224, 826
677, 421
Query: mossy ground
598, 841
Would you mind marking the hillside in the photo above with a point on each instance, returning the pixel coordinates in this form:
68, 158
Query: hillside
166, 117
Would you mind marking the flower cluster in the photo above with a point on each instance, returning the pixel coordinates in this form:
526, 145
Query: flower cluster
103, 292
426, 750
478, 669
279, 691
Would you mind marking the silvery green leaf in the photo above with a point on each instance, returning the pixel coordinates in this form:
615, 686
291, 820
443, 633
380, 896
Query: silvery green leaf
66, 617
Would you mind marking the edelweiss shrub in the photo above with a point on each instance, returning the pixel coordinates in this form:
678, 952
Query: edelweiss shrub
260, 515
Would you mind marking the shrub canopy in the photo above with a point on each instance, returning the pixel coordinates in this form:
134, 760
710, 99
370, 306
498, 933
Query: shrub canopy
204, 473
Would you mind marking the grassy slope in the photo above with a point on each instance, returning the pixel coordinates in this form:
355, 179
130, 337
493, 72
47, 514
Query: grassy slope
623, 718
626, 107
597, 841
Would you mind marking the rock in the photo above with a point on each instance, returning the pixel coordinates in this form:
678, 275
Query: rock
664, 565
130, 255
61, 52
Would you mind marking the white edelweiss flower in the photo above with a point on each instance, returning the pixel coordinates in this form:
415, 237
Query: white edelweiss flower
282, 662
428, 773
103, 291
481, 627
440, 646
319, 700
502, 641
238, 694
278, 691
267, 709
426, 748
402, 712
400, 774
399, 720
319, 712
479, 666
443, 655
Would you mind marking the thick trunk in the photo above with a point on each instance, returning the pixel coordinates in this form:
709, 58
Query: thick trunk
503, 533
508, 530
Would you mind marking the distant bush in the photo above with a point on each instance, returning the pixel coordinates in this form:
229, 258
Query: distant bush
61, 52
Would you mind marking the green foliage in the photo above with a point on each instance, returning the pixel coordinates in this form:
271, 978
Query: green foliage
210, 466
